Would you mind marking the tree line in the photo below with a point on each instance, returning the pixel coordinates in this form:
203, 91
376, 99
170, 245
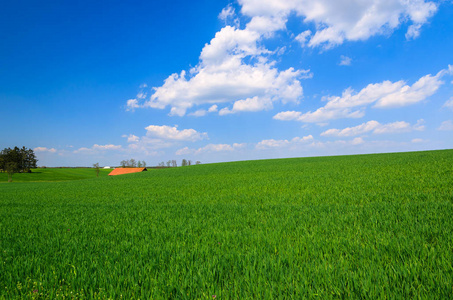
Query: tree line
132, 163
17, 160
173, 163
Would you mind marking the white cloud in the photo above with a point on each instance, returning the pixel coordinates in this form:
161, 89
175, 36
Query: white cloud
395, 127
213, 108
386, 94
235, 68
345, 61
446, 126
413, 31
227, 13
132, 104
449, 103
407, 95
376, 128
271, 143
204, 112
210, 148
172, 133
357, 141
44, 149
199, 113
249, 104
302, 37
415, 141
352, 131
106, 147
131, 138
96, 148
341, 20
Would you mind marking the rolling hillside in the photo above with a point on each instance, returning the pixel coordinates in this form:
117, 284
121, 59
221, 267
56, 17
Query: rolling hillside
366, 226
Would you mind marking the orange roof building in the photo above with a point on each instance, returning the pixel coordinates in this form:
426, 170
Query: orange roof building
121, 171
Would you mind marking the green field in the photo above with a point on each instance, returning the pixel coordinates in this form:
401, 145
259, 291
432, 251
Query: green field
366, 226
54, 174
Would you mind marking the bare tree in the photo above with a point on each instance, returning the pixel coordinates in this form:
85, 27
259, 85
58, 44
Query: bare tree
173, 163
161, 164
189, 162
139, 164
124, 163
198, 162
169, 163
144, 164
132, 163
184, 162
97, 168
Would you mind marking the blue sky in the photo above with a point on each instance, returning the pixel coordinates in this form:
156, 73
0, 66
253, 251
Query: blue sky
224, 80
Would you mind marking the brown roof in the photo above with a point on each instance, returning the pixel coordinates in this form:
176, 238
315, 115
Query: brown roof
120, 171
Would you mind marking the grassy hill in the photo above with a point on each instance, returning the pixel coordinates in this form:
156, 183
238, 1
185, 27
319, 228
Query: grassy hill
55, 174
366, 226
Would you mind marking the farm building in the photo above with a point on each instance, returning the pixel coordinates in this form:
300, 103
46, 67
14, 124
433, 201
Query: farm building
121, 171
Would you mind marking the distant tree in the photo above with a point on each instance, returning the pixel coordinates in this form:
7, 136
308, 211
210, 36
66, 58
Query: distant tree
144, 164
169, 163
11, 168
139, 164
184, 162
189, 162
161, 164
124, 163
132, 163
97, 169
174, 163
198, 162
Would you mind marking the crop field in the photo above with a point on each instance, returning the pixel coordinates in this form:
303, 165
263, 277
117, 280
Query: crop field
364, 226
54, 174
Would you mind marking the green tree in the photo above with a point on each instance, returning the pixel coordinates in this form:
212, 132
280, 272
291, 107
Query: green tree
23, 158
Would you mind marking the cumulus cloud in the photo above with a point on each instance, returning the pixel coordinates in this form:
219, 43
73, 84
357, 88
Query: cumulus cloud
204, 112
45, 149
386, 94
158, 138
172, 133
249, 104
131, 138
342, 20
376, 128
234, 68
236, 71
446, 126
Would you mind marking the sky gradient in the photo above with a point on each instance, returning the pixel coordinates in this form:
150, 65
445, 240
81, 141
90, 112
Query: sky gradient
217, 81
